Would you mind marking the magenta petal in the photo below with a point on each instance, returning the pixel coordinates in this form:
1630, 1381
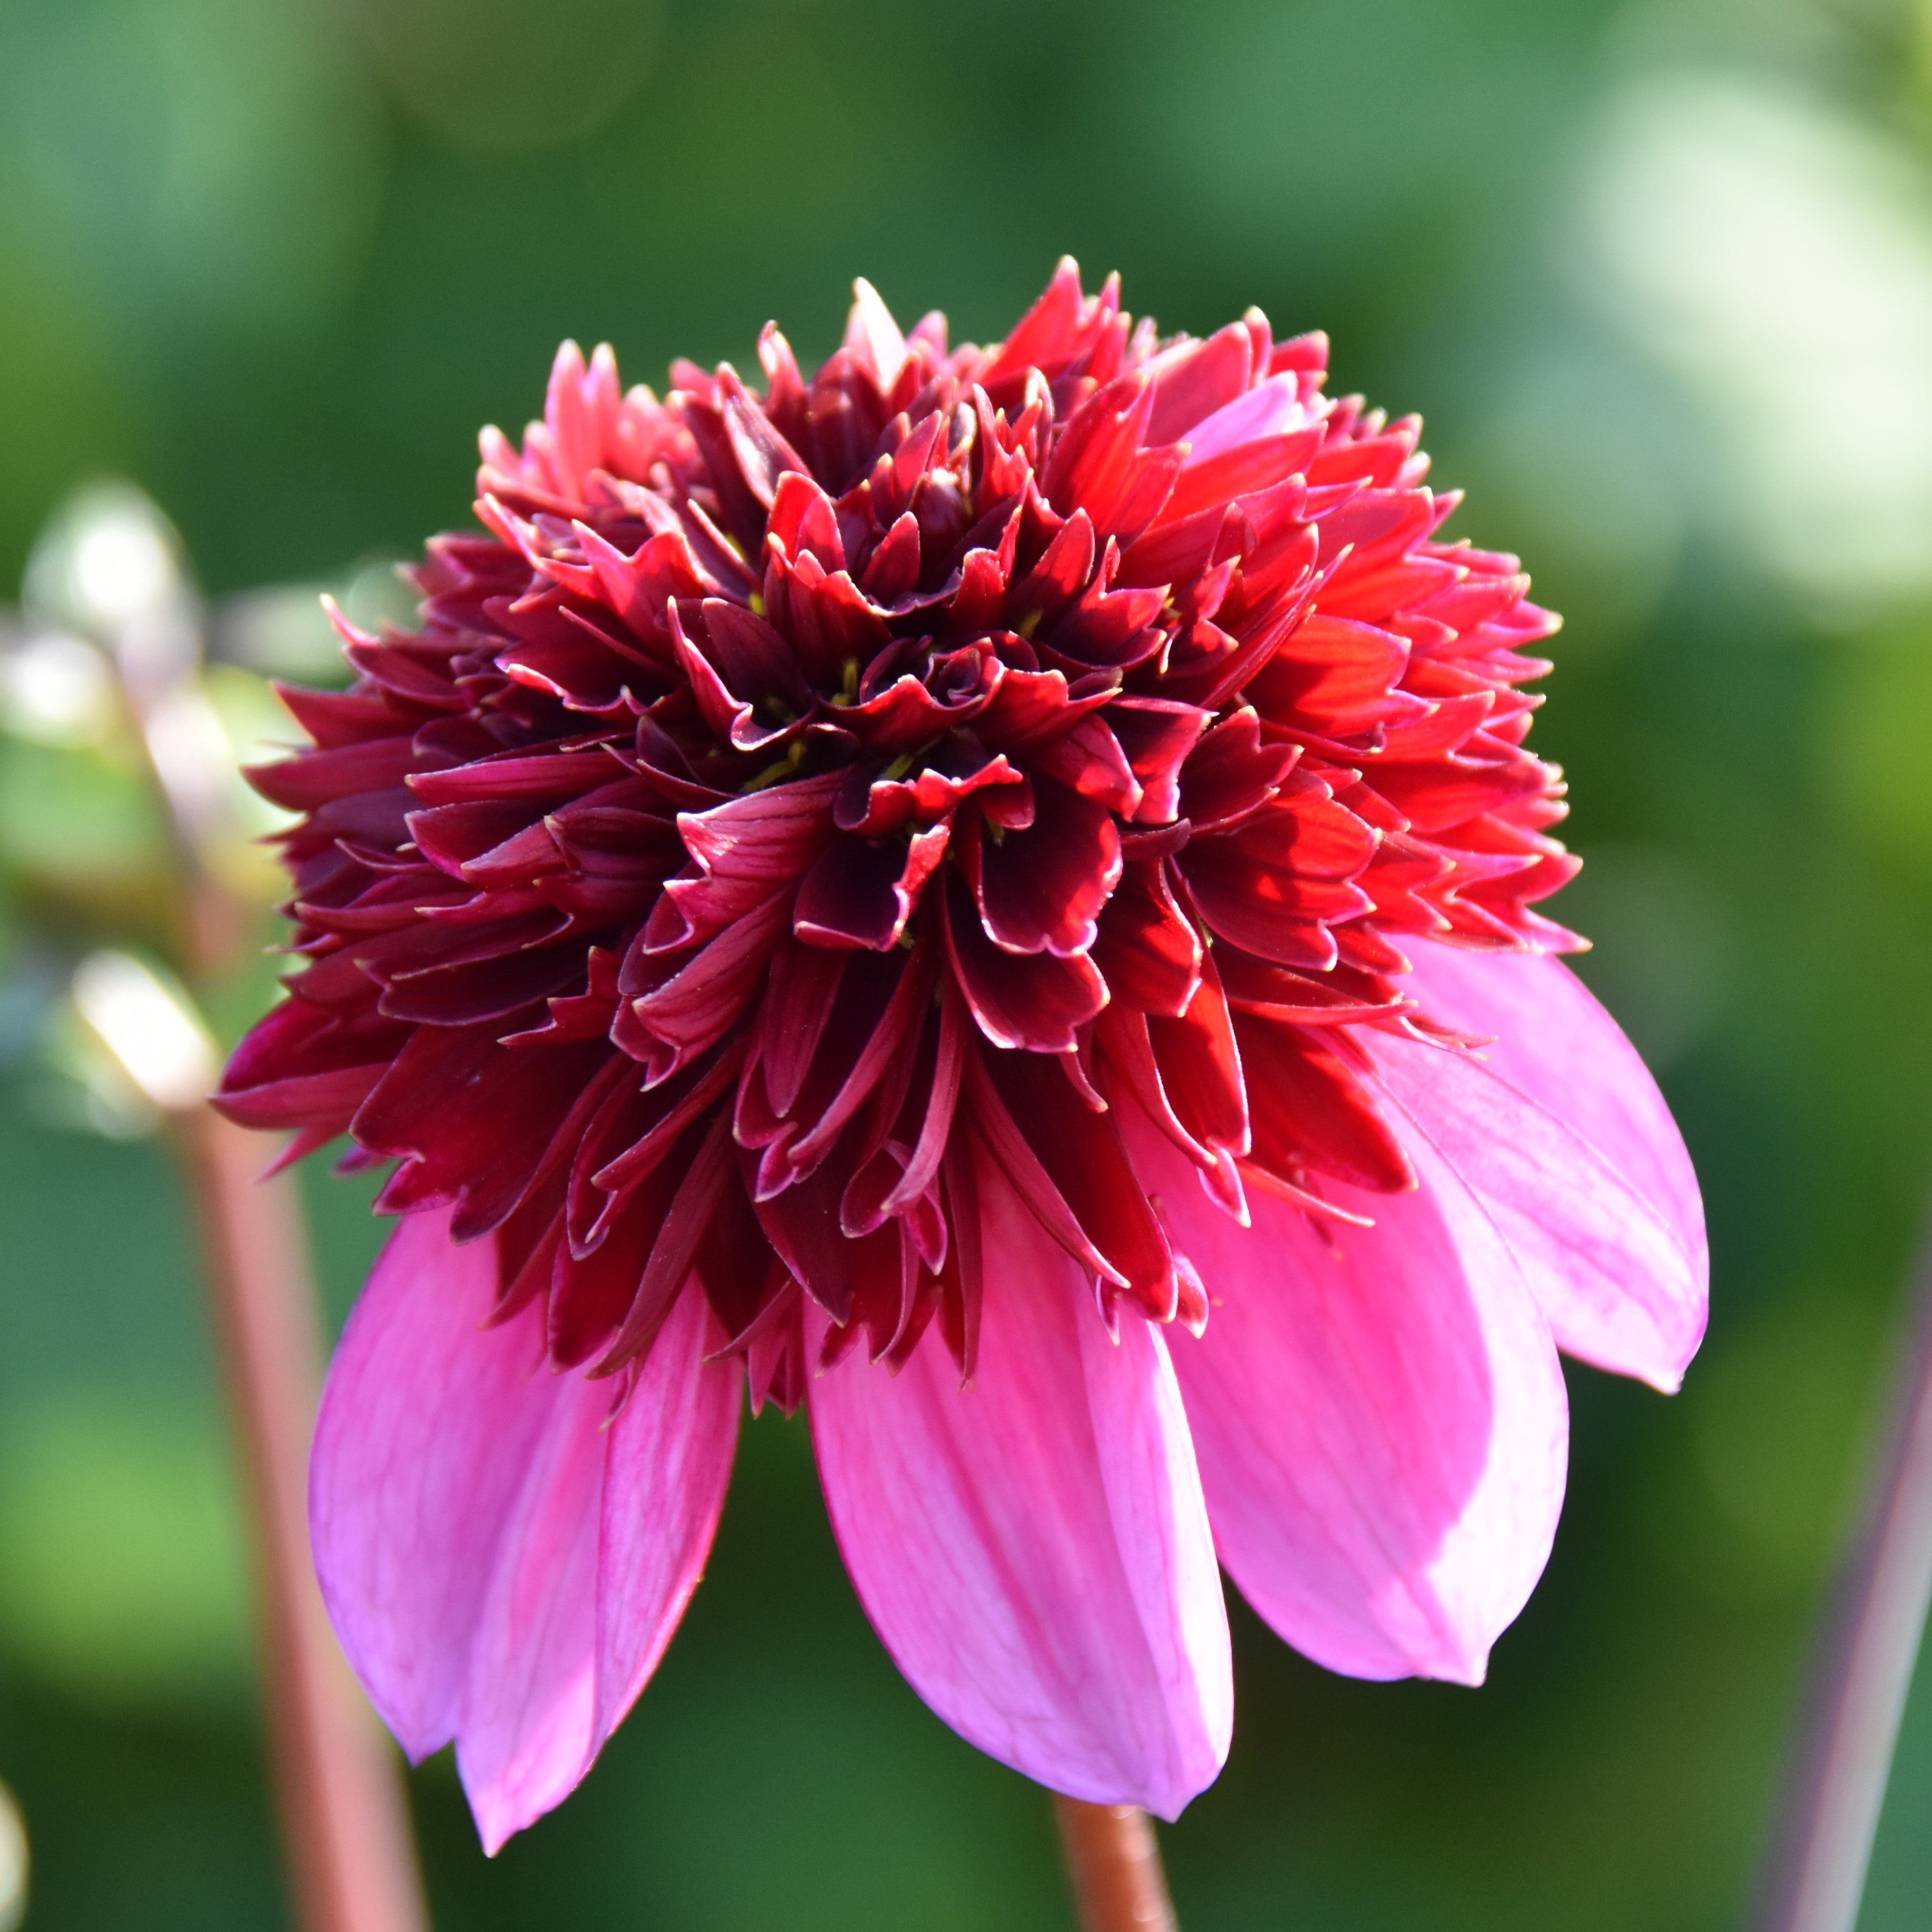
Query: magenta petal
526, 1736
593, 1572
1560, 1130
1266, 410
1033, 1549
1381, 1424
502, 1567
669, 1466
425, 1432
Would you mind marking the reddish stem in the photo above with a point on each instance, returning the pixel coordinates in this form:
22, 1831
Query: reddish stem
1113, 1865
1817, 1872
351, 1865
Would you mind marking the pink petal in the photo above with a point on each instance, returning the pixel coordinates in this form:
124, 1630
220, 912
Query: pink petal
1561, 1130
872, 334
669, 1467
1034, 1550
503, 1562
526, 1735
425, 1431
1381, 1423
1266, 409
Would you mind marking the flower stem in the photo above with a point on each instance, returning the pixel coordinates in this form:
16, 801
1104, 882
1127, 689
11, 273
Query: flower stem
351, 1862
1113, 1865
1817, 1874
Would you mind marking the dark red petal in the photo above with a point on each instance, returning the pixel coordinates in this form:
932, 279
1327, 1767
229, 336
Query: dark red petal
1060, 576
1158, 735
798, 1003
699, 1004
995, 1130
1041, 889
675, 1249
922, 1164
1036, 1002
484, 989
803, 1224
302, 1063
1200, 1069
1089, 759
889, 1044
590, 1295
666, 1111
1082, 1153
315, 778
860, 892
1146, 948
1334, 677
441, 1107
802, 521
1276, 882
1312, 1112
743, 851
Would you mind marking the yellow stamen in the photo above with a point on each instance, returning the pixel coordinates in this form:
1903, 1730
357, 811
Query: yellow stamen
794, 756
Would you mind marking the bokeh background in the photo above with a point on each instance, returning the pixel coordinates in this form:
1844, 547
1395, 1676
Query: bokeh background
1660, 276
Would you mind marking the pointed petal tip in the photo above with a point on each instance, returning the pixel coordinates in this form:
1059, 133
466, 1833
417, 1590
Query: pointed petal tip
1472, 1672
871, 328
495, 1824
511, 1801
1666, 1378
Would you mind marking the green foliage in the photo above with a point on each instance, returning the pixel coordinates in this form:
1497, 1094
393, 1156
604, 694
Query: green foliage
120, 1578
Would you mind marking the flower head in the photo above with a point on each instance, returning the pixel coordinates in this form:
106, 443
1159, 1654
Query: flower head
922, 882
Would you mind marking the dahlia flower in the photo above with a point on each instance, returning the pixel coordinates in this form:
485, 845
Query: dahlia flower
989, 893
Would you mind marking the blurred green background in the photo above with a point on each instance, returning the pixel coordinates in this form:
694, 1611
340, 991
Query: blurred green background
1659, 275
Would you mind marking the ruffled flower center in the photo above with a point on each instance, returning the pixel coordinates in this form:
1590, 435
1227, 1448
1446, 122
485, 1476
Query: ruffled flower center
804, 811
